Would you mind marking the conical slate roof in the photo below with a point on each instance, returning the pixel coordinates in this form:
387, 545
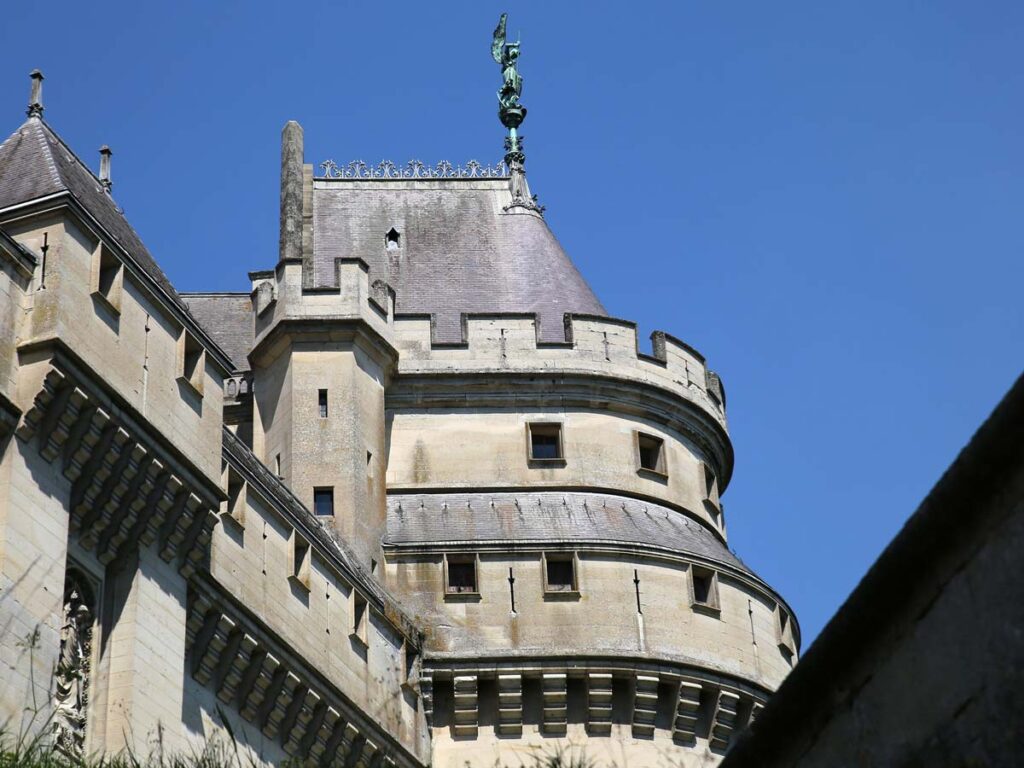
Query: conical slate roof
458, 252
35, 163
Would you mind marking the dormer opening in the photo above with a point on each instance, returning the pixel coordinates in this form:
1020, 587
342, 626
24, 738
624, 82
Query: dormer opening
393, 240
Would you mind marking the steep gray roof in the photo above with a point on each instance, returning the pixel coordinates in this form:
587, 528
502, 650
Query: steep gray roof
479, 518
460, 252
228, 319
35, 162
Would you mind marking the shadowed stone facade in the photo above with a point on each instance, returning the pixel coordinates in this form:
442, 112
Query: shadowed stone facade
413, 499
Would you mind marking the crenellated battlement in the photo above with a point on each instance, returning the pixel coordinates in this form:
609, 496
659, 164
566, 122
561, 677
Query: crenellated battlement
281, 295
491, 343
597, 345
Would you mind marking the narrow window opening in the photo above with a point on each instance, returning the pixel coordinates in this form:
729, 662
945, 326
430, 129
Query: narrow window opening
359, 611
461, 577
323, 501
652, 453
277, 465
300, 559
710, 484
411, 656
545, 441
108, 277
560, 573
323, 403
786, 639
705, 587
373, 566
192, 357
235, 505
393, 240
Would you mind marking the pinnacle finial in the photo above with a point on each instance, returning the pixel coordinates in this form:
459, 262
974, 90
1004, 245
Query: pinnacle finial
512, 113
35, 99
105, 153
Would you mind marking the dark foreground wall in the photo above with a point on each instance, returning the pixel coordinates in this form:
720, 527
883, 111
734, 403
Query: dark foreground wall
924, 663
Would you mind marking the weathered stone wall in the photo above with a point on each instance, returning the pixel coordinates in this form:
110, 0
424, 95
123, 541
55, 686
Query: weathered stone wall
740, 639
316, 611
487, 447
132, 342
33, 545
924, 663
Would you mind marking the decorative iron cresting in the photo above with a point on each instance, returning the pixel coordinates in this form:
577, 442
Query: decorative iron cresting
414, 169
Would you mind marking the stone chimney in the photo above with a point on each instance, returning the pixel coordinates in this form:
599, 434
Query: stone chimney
291, 192
35, 99
105, 181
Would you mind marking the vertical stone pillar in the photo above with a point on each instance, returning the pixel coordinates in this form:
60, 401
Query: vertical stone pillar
145, 655
291, 192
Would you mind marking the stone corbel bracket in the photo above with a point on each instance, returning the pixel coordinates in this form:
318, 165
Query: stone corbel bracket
289, 705
126, 491
705, 712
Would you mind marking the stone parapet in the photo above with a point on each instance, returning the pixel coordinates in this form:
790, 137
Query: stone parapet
595, 345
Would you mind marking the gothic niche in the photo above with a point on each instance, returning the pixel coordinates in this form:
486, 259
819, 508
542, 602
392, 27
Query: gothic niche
71, 690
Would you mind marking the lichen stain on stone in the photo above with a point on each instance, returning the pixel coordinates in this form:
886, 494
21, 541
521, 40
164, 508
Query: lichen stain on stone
420, 465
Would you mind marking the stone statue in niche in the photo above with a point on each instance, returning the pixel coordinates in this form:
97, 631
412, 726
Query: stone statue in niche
71, 694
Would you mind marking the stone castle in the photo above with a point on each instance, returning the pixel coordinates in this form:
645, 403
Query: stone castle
413, 499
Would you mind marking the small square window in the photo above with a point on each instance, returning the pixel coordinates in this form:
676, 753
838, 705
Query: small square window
545, 441
323, 502
651, 451
191, 361
460, 575
322, 397
559, 573
704, 586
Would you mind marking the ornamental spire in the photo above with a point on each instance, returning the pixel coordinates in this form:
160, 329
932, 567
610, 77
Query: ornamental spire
512, 113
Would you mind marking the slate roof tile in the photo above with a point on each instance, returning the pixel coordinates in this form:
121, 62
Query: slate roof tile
460, 252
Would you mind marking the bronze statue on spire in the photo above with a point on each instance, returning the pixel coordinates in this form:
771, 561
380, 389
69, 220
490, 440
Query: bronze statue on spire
506, 54
512, 113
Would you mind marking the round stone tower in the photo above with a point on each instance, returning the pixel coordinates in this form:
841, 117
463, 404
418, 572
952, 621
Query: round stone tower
541, 490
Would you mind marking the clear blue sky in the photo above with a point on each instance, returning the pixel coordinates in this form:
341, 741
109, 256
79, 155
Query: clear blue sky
824, 198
